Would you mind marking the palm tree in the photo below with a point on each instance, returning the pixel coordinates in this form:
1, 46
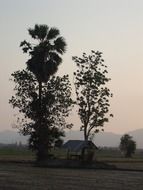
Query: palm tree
45, 56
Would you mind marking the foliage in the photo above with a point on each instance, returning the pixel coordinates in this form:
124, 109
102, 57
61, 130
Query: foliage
56, 104
44, 52
127, 145
92, 93
59, 143
45, 56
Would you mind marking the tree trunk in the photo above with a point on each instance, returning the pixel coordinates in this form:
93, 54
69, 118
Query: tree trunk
40, 97
85, 134
83, 156
42, 150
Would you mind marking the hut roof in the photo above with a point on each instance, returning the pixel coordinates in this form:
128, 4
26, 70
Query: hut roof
78, 145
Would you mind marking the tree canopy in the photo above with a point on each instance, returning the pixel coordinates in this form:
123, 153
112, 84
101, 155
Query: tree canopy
92, 92
127, 145
45, 52
43, 99
56, 104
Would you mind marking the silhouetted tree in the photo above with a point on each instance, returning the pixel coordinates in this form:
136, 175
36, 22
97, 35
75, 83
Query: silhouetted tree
59, 143
45, 56
92, 93
127, 145
55, 106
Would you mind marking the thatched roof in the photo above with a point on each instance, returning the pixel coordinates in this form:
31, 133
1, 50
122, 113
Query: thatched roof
78, 145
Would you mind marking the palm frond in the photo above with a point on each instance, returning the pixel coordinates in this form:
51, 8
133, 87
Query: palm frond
45, 56
60, 45
53, 33
26, 46
39, 32
55, 57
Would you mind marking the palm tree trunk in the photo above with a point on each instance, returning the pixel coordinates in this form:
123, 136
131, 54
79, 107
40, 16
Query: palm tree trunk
40, 99
42, 150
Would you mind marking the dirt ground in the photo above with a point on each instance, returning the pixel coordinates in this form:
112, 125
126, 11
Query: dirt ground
15, 176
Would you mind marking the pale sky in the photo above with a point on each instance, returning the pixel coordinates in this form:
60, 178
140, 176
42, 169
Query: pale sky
114, 27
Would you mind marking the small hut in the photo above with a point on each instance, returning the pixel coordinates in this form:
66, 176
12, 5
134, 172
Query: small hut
76, 148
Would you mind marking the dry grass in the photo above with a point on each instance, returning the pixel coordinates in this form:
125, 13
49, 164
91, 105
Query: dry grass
26, 177
14, 176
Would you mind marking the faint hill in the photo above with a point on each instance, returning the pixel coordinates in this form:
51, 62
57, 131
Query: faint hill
107, 139
138, 137
101, 139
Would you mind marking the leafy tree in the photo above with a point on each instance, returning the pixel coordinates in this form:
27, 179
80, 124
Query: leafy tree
59, 143
92, 93
127, 145
55, 106
44, 58
44, 55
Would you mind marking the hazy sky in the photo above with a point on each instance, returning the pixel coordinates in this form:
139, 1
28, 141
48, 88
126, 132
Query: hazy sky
114, 27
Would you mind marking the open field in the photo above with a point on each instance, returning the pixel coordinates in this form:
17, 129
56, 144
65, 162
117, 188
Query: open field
16, 154
114, 156
111, 156
26, 177
17, 173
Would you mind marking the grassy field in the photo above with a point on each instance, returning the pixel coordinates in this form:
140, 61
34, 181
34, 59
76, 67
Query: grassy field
16, 154
24, 176
114, 156
27, 177
111, 156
